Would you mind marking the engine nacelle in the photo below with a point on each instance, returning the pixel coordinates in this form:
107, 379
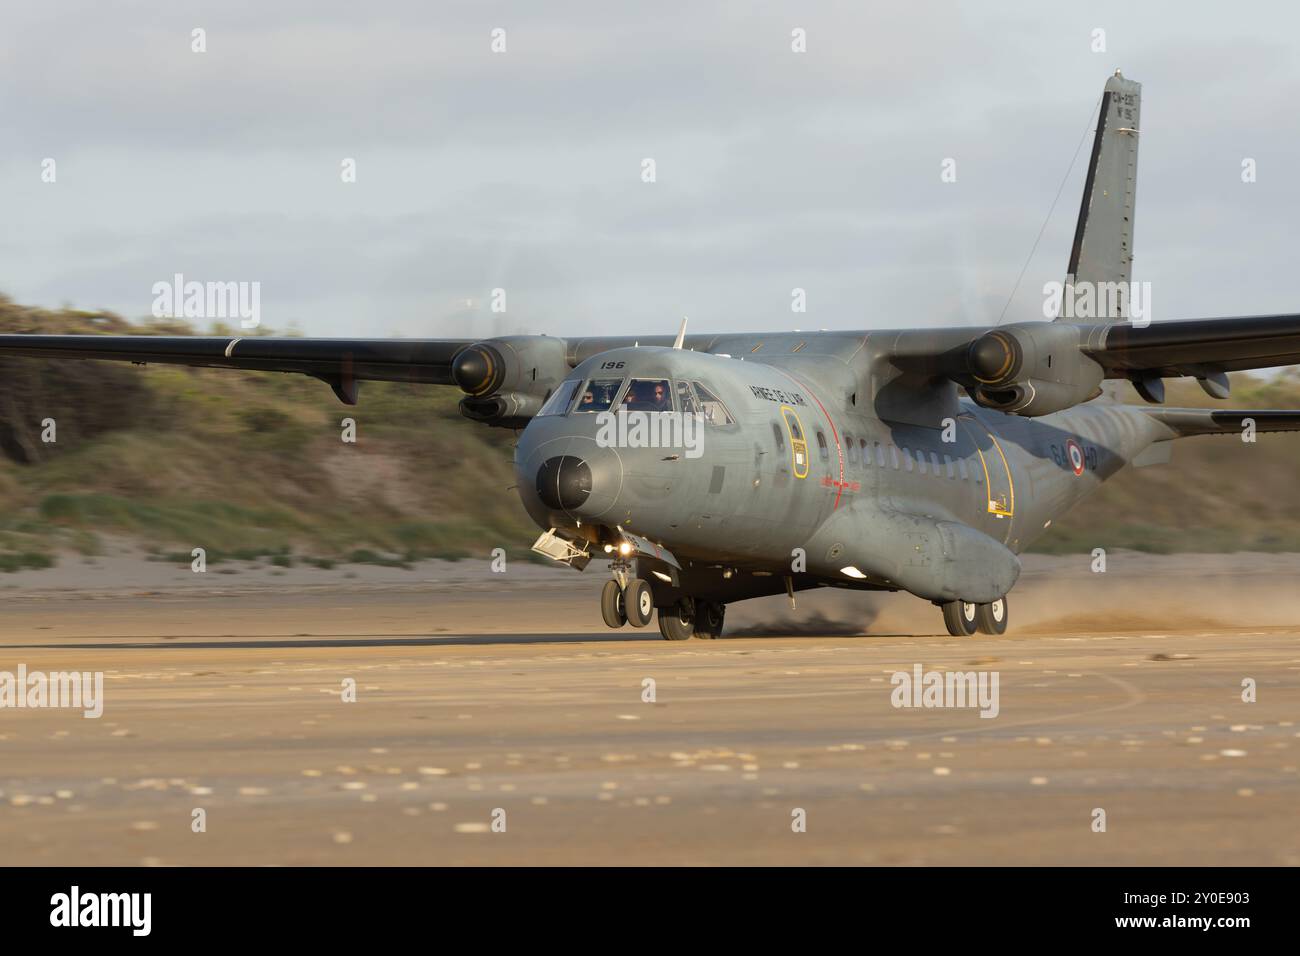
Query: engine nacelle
1031, 369
506, 380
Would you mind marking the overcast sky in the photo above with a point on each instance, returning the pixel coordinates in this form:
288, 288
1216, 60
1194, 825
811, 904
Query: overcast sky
522, 170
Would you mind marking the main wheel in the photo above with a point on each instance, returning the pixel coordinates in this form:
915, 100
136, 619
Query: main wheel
677, 623
992, 618
708, 619
611, 604
960, 618
639, 603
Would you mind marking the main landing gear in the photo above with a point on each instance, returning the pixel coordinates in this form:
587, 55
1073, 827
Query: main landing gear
963, 618
634, 604
692, 618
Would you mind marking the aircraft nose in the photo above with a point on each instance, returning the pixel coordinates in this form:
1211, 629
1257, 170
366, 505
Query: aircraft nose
564, 483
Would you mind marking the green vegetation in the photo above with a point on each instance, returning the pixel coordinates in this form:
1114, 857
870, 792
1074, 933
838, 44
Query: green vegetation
1218, 493
247, 466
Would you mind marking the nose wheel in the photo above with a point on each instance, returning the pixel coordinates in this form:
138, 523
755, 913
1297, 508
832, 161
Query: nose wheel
634, 604
611, 605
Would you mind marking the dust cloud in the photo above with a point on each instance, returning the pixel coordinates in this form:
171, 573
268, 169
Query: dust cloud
1061, 594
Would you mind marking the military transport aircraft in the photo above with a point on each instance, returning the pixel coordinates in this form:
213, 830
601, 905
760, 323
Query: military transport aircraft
812, 459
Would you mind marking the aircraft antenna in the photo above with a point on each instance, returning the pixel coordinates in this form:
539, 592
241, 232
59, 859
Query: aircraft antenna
681, 333
1042, 229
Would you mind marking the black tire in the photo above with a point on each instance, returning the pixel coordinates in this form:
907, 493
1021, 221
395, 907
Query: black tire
638, 603
992, 618
961, 618
709, 618
677, 623
611, 605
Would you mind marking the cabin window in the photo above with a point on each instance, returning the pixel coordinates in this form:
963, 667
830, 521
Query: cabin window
866, 452
907, 458
796, 430
559, 401
893, 457
880, 454
599, 395
715, 413
947, 462
934, 462
961, 467
853, 449
822, 450
920, 461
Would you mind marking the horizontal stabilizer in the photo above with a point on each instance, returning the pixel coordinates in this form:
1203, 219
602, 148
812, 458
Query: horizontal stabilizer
1210, 421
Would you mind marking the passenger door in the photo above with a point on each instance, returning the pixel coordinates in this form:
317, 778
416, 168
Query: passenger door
798, 444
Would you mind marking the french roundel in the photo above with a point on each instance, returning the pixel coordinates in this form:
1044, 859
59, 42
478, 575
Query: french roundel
1076, 456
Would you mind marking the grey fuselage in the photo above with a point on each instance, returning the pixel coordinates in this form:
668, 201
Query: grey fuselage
940, 511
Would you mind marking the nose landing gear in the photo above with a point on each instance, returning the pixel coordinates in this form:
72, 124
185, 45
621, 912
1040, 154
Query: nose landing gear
633, 604
639, 601
611, 605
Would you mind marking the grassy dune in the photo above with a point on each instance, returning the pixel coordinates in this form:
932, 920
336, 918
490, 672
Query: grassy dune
252, 465
242, 464
1218, 493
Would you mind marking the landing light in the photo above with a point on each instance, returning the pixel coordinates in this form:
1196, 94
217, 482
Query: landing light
625, 548
852, 572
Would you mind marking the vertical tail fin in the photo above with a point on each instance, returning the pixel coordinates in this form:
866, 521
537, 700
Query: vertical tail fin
1103, 237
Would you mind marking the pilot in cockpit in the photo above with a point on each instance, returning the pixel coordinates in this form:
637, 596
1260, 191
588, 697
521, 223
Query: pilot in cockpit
645, 396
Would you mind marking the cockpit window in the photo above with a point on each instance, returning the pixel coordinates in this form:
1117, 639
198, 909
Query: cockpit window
686, 399
649, 395
715, 413
599, 395
559, 401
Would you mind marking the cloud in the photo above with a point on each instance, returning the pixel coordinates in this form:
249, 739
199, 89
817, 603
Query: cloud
522, 170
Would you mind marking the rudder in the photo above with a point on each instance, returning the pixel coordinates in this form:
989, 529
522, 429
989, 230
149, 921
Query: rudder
1103, 236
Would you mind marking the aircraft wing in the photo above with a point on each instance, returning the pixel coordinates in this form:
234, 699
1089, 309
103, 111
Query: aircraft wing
339, 362
1212, 421
1197, 347
1037, 368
